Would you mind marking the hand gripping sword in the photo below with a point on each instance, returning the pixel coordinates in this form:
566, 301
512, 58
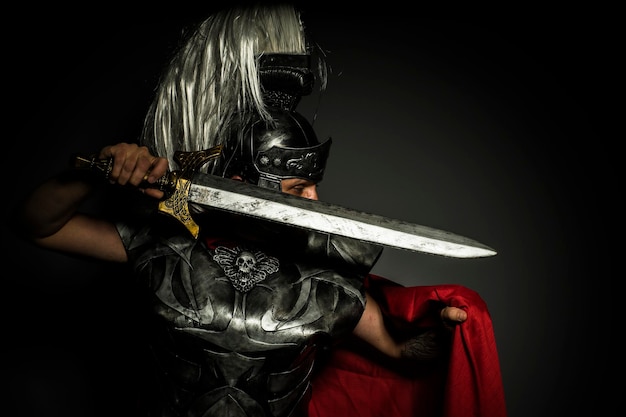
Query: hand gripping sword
187, 185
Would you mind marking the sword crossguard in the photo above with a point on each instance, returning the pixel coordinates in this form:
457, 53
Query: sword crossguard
176, 204
175, 184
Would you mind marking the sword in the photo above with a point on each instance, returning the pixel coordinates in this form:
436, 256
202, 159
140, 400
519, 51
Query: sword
186, 186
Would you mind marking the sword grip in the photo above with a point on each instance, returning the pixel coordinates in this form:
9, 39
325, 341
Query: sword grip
103, 167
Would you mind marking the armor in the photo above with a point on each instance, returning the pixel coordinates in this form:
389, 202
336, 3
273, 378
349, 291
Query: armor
285, 78
264, 153
238, 327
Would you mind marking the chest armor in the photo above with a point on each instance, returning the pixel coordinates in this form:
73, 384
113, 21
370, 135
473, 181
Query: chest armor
236, 330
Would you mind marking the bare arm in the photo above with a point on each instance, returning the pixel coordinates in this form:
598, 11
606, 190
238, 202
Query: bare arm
371, 328
50, 217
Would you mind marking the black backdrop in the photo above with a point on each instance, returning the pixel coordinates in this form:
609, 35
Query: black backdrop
490, 130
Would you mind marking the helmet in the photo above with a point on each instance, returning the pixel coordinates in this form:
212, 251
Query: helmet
285, 78
265, 153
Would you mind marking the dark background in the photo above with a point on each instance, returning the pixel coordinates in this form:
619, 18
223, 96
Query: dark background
493, 130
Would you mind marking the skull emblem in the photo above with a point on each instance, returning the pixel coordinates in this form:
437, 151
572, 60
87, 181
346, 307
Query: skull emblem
245, 267
245, 262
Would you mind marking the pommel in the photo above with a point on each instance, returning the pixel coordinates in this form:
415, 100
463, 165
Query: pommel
92, 163
103, 167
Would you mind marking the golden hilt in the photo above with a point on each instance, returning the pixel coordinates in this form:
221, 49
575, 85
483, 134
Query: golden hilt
175, 184
176, 205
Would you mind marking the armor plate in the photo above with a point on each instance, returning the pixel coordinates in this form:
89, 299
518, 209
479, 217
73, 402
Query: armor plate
236, 327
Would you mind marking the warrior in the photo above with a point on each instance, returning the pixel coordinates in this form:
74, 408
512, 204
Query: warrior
241, 319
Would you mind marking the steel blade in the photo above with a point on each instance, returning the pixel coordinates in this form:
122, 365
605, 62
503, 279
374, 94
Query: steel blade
251, 200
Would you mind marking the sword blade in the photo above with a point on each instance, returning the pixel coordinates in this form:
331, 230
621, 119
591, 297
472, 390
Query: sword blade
251, 200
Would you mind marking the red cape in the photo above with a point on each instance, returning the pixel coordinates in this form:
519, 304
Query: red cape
357, 383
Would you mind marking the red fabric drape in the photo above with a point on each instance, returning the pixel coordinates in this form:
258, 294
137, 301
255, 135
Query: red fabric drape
357, 383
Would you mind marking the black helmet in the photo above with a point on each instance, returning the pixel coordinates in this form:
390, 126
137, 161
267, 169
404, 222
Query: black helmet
265, 153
